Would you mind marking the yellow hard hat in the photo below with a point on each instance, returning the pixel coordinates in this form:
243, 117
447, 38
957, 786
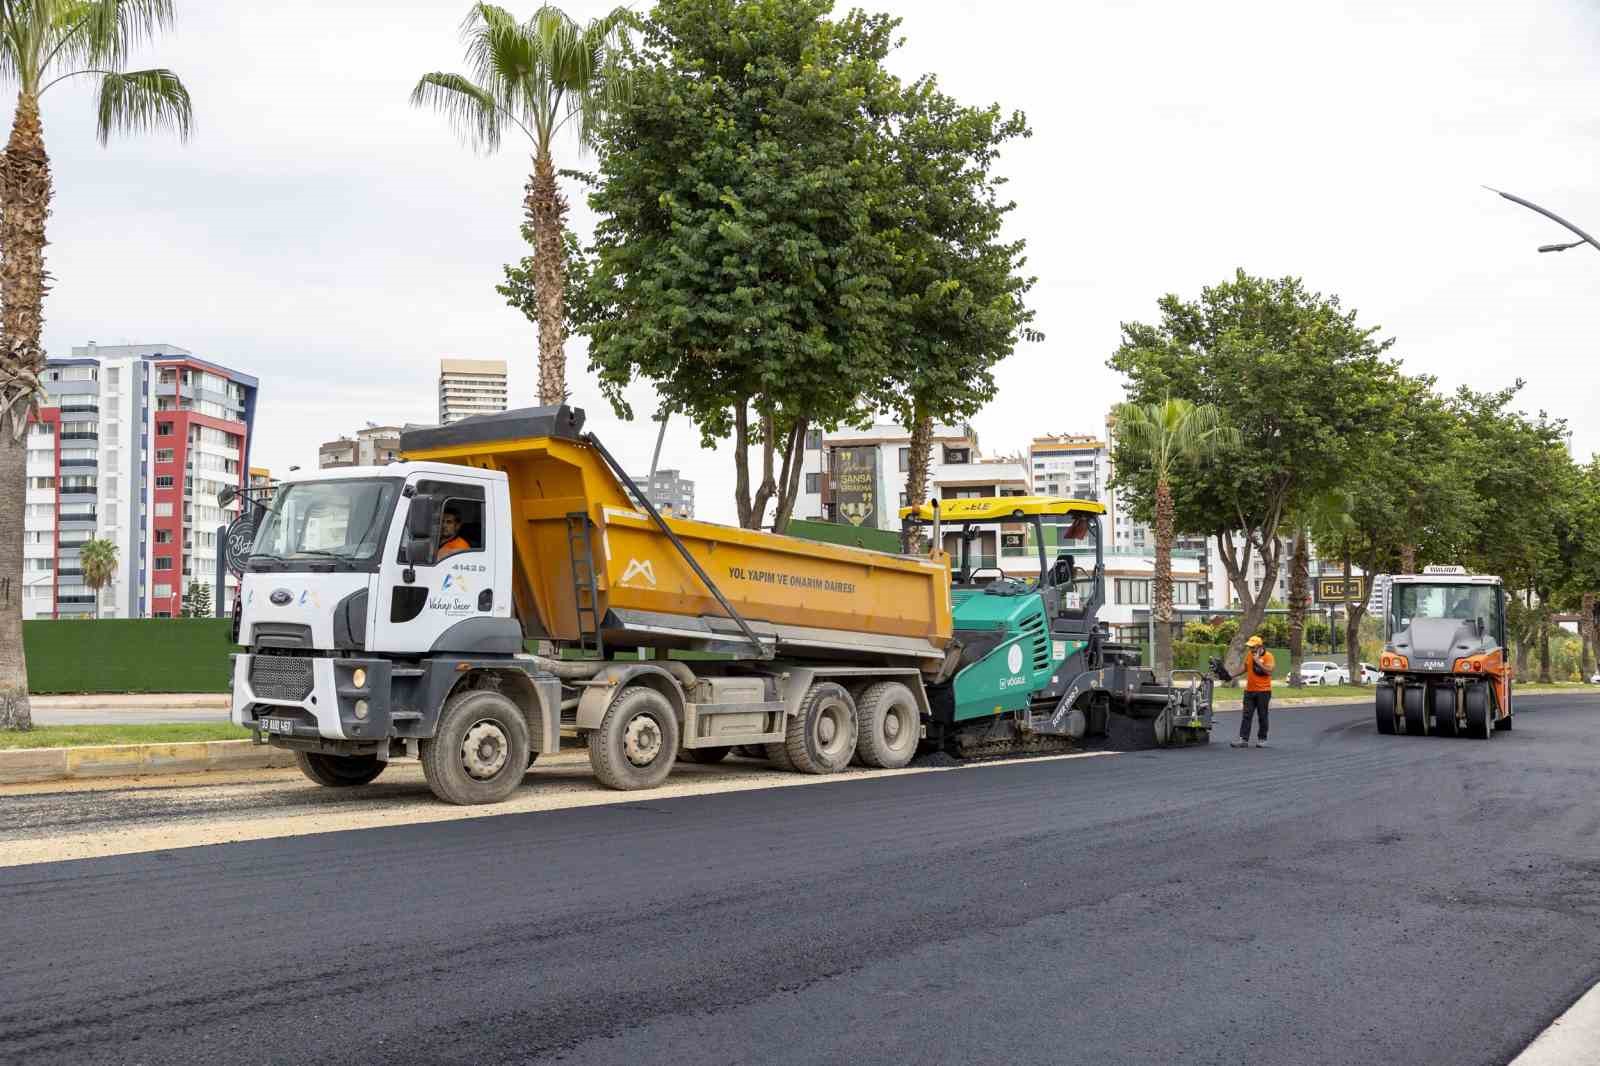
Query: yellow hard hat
1254, 642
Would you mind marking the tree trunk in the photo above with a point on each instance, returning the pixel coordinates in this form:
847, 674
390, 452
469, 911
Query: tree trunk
1161, 590
921, 458
546, 211
1587, 628
1408, 558
1252, 604
794, 461
1299, 601
769, 484
1544, 640
1352, 626
741, 460
24, 208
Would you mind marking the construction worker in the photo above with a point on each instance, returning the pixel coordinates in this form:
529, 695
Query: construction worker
1257, 671
451, 540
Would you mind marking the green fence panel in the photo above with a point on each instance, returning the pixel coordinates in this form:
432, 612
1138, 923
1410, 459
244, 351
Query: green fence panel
129, 655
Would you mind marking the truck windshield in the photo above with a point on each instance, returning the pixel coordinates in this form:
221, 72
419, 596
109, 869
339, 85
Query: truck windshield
1411, 601
327, 519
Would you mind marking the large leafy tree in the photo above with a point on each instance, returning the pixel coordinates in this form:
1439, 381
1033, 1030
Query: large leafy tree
1159, 436
742, 261
959, 285
1299, 378
535, 79
98, 559
43, 44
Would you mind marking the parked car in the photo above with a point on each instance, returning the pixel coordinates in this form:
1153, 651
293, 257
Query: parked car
1322, 672
1370, 674
1595, 680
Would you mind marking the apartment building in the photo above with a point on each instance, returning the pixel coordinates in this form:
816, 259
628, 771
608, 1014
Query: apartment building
670, 492
132, 446
470, 387
373, 446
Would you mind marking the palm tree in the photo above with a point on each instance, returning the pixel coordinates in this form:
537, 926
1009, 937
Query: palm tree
42, 44
98, 558
1161, 435
534, 78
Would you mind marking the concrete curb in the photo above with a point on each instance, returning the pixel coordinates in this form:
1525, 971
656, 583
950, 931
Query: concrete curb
28, 765
134, 701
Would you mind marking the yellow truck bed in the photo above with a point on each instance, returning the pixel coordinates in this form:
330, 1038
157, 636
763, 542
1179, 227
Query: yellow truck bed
797, 595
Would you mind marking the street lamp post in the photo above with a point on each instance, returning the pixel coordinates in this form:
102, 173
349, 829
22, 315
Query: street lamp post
1530, 205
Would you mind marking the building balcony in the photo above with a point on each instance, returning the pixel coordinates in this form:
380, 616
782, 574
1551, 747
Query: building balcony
77, 519
79, 407
80, 490
80, 436
68, 601
68, 545
79, 462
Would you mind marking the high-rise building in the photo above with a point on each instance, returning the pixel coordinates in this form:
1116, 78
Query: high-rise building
1074, 466
132, 446
670, 493
373, 446
470, 387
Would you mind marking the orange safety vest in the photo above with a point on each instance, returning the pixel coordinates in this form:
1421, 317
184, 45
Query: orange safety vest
1254, 682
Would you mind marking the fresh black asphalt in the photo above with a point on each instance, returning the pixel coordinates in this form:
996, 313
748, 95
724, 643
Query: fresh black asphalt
1338, 898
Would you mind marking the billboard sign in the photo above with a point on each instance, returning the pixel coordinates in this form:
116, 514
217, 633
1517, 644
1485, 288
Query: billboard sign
1338, 590
855, 473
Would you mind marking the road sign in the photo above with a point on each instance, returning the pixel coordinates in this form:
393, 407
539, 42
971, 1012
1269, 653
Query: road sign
1338, 590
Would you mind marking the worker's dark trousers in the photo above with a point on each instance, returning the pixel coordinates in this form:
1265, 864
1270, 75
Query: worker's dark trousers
1254, 702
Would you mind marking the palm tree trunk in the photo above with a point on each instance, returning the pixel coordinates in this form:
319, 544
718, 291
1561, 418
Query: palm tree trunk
24, 207
1299, 601
546, 211
1161, 598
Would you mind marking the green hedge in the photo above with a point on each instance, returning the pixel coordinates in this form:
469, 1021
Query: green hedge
128, 655
1191, 655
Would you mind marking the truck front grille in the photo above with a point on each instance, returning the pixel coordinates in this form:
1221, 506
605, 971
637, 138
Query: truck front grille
281, 677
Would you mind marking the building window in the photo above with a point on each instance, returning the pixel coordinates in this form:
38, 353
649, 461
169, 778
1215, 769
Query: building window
163, 562
905, 499
813, 482
1133, 590
163, 429
905, 460
164, 481
163, 455
813, 440
163, 536
164, 510
956, 456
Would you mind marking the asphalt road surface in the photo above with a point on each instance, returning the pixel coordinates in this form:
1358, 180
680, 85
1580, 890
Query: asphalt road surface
1338, 898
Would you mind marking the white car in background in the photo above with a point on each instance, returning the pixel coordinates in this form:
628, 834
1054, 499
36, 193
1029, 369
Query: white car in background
1370, 674
1322, 672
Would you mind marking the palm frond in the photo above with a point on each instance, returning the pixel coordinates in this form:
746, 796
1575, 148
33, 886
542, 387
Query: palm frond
113, 28
137, 101
471, 110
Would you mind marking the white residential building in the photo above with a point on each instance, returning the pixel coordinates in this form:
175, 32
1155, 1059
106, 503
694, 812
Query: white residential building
470, 387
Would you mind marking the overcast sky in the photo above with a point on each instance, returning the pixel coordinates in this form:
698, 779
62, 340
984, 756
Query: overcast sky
320, 234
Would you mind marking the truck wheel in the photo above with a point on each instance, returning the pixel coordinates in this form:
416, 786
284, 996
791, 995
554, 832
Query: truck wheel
704, 755
1480, 718
637, 741
889, 725
1415, 699
479, 752
1383, 701
750, 751
778, 755
822, 737
1444, 711
339, 771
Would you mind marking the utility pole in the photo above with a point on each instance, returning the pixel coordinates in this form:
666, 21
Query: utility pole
1531, 206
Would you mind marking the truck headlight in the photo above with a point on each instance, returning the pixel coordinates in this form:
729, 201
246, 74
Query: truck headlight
361, 710
359, 678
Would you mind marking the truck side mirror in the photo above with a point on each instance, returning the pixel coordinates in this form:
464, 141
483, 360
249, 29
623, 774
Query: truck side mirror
421, 521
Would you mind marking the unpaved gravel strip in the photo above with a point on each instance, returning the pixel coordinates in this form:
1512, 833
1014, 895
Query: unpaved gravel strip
49, 822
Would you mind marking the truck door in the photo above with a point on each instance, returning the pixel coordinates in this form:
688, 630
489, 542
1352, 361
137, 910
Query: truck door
428, 586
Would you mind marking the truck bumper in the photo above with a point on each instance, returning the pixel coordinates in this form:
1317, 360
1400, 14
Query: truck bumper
311, 698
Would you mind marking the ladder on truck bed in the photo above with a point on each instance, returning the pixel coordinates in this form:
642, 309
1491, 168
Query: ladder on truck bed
585, 591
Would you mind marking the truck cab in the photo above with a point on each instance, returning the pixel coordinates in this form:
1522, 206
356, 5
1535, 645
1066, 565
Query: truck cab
369, 597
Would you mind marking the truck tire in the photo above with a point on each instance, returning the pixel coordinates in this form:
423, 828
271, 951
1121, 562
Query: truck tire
637, 741
479, 752
822, 737
1383, 704
1415, 700
1444, 710
339, 771
704, 755
1480, 712
750, 751
889, 725
778, 755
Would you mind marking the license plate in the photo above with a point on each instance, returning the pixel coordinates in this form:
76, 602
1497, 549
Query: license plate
1432, 664
285, 726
